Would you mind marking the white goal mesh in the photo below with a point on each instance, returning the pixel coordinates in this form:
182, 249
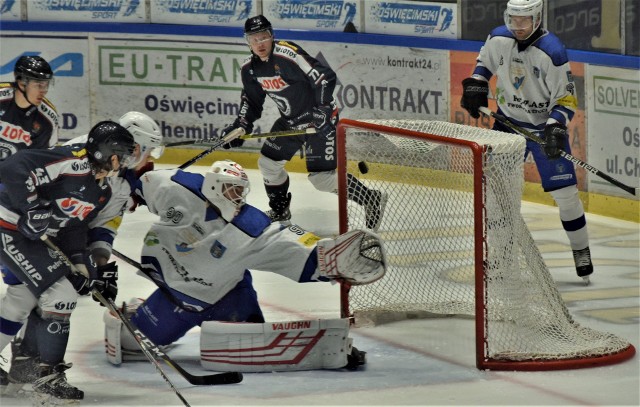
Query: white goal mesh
458, 245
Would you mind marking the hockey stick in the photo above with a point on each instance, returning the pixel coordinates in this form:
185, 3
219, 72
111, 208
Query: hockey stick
219, 143
286, 133
530, 136
150, 350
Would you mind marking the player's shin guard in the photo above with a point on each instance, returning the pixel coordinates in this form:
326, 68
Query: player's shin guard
275, 346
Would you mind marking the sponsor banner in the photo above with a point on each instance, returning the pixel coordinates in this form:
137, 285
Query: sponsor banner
10, 10
376, 82
331, 15
590, 25
204, 12
422, 19
69, 60
122, 11
462, 64
614, 126
480, 17
193, 89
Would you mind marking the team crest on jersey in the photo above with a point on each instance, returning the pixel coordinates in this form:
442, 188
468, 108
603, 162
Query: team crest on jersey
518, 76
217, 249
183, 247
536, 72
75, 208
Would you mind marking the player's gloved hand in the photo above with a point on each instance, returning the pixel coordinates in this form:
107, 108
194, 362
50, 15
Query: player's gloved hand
324, 119
106, 281
474, 95
35, 222
238, 123
555, 136
85, 264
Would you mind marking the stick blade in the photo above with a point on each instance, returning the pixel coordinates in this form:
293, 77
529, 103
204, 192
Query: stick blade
216, 379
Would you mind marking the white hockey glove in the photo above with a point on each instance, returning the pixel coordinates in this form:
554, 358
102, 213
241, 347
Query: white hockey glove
357, 256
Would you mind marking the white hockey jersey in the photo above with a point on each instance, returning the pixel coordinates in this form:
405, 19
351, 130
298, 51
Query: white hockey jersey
199, 256
535, 85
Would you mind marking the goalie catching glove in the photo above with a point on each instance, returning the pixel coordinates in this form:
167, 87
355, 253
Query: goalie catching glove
357, 257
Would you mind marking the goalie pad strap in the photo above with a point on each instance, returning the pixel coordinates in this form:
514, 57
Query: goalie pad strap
275, 346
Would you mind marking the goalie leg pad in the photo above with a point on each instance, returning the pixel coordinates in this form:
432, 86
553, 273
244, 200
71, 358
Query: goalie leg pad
119, 344
275, 346
357, 256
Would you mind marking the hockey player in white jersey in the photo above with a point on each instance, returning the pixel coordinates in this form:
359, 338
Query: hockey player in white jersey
535, 90
206, 239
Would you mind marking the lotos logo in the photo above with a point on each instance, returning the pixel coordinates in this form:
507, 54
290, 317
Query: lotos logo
14, 134
274, 83
75, 208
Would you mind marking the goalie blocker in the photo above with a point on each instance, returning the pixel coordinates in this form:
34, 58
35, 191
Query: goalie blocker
252, 347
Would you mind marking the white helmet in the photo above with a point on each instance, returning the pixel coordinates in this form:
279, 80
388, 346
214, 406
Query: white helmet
525, 8
145, 132
226, 186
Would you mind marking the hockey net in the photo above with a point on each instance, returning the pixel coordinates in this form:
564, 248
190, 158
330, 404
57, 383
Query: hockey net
457, 244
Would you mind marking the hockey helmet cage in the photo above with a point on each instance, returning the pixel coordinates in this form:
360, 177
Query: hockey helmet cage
32, 67
107, 139
226, 186
257, 24
524, 8
146, 133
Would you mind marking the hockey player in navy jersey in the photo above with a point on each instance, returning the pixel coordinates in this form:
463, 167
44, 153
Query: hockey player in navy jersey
203, 244
302, 89
535, 90
27, 118
54, 192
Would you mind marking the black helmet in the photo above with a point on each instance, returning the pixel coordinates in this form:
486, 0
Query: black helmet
257, 24
106, 139
32, 67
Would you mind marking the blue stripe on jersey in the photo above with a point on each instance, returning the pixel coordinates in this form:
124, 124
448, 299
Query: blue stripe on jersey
501, 31
9, 328
573, 225
482, 71
552, 46
100, 235
251, 221
310, 268
191, 181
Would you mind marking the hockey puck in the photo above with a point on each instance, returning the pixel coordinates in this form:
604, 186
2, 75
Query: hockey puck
363, 167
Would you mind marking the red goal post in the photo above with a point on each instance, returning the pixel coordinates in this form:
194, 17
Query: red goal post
457, 244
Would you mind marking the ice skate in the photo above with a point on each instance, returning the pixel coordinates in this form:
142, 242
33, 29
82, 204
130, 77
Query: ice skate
584, 267
52, 387
374, 209
280, 210
24, 370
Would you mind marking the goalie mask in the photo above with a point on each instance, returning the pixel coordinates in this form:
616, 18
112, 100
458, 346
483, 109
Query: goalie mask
520, 9
226, 186
146, 134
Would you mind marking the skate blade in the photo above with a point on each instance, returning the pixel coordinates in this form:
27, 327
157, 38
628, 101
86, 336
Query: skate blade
12, 389
586, 280
47, 400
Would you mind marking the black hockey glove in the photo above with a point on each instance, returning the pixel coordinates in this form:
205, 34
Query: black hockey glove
35, 222
555, 136
324, 118
106, 281
83, 262
238, 123
474, 95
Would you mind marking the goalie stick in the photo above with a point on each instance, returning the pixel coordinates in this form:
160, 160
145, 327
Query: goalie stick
150, 350
286, 133
530, 136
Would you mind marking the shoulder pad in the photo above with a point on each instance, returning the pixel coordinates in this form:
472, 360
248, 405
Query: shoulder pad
251, 221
